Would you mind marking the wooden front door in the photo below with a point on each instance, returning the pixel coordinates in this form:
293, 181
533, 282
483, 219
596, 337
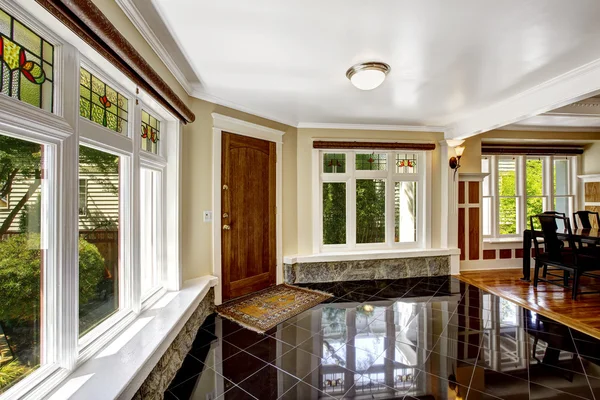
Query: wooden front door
248, 252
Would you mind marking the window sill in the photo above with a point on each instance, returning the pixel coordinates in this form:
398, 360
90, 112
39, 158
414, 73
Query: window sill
369, 255
120, 368
502, 243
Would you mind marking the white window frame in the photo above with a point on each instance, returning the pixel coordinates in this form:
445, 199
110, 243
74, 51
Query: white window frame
548, 190
422, 177
62, 132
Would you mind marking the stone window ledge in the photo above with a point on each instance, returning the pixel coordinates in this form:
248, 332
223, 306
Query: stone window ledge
369, 255
118, 370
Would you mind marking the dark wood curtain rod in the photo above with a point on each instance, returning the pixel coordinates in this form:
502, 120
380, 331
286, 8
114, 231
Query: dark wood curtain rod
511, 149
324, 144
91, 25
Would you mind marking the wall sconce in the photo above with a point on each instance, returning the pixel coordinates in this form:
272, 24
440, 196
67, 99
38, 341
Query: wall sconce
455, 161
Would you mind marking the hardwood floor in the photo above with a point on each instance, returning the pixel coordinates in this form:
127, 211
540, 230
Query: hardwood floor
551, 301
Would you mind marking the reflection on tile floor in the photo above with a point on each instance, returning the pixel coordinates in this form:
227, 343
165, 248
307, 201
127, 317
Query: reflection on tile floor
424, 338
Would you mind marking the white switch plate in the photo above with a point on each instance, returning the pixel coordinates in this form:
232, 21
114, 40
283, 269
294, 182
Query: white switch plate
207, 216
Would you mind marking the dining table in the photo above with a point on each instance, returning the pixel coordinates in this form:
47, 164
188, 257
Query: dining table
591, 236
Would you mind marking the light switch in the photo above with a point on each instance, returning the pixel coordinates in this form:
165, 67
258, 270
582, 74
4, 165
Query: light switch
207, 216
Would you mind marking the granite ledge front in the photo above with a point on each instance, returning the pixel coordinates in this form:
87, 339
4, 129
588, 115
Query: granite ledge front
352, 270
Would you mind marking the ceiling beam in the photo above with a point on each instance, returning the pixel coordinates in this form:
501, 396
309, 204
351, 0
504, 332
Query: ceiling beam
560, 91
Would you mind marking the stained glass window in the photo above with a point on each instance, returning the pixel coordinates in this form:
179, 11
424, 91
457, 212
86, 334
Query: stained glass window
406, 163
101, 103
27, 64
334, 163
150, 132
371, 162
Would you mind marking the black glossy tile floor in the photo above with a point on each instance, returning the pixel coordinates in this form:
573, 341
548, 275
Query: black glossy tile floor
425, 338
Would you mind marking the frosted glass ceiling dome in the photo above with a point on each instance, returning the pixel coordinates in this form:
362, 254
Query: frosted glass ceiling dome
369, 75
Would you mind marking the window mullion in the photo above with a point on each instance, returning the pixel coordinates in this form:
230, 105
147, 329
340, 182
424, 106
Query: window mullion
521, 166
351, 201
496, 189
549, 181
67, 156
134, 237
390, 185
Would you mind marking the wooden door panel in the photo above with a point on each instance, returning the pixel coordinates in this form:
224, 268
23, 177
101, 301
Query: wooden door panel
248, 248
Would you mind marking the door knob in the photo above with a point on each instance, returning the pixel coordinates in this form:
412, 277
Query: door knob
225, 215
226, 227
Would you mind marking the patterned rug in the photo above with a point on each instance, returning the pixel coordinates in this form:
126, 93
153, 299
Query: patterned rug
263, 310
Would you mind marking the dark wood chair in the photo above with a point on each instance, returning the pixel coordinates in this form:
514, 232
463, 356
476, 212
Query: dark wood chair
552, 255
585, 219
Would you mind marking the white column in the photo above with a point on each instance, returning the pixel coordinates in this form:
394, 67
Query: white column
449, 196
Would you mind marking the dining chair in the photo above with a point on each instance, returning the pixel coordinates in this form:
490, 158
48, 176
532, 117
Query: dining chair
551, 252
585, 219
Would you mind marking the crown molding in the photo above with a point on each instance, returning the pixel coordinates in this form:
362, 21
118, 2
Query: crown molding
138, 20
573, 86
538, 128
234, 106
371, 127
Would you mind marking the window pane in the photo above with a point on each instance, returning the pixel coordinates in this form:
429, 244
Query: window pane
334, 213
535, 206
534, 178
561, 177
149, 248
485, 168
508, 216
507, 184
406, 212
406, 163
98, 238
334, 163
371, 162
370, 211
150, 132
561, 204
82, 196
487, 216
26, 65
101, 103
21, 257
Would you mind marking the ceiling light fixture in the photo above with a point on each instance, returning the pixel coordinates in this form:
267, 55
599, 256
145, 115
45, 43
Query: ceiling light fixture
369, 75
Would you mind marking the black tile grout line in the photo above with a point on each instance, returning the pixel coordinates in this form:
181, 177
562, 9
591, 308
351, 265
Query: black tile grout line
581, 363
172, 394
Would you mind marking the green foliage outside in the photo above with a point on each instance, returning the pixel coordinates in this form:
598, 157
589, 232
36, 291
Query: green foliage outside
20, 284
11, 373
334, 213
20, 258
507, 187
370, 211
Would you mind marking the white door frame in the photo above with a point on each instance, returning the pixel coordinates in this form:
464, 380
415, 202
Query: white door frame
223, 123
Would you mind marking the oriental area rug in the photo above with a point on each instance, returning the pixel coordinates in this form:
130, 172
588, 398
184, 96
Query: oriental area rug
263, 310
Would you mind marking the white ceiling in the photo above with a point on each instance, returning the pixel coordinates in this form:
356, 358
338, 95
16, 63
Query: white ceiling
449, 60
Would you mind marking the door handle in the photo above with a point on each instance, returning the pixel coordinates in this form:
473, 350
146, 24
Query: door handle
226, 227
225, 215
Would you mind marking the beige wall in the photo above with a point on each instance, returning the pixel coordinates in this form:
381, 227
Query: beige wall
305, 184
591, 159
197, 186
